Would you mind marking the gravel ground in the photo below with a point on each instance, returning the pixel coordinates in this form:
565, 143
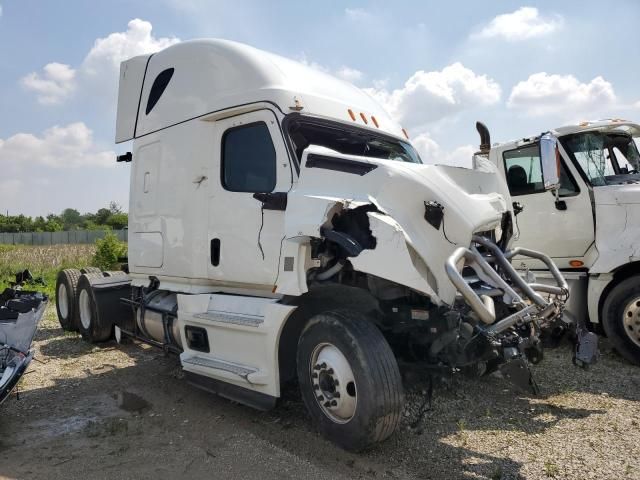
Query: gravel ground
125, 412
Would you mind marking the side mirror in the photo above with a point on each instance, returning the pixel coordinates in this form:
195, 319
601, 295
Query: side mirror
550, 158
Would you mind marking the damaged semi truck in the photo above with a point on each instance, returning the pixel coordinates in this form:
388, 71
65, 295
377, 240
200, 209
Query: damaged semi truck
282, 226
591, 220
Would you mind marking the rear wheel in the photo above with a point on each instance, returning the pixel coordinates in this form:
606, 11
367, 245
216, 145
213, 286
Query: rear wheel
90, 270
349, 379
621, 318
92, 327
66, 289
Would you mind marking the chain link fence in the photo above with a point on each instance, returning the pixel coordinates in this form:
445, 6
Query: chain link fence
58, 238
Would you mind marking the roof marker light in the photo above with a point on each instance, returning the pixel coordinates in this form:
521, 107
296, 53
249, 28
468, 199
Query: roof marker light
352, 115
405, 133
375, 122
364, 118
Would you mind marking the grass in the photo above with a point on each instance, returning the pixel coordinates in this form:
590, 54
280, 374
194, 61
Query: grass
42, 261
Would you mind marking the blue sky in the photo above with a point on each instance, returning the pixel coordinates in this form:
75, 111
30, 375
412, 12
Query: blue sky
437, 66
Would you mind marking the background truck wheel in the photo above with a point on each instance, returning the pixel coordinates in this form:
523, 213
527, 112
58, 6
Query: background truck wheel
349, 379
92, 327
621, 318
66, 290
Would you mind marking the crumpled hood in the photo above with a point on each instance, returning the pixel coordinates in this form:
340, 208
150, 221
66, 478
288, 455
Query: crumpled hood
399, 190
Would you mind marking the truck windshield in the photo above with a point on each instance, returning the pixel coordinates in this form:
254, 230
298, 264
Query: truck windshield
604, 158
349, 140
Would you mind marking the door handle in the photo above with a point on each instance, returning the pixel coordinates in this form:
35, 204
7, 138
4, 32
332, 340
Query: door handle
215, 252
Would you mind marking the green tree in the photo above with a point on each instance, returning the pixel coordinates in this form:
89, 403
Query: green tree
71, 218
118, 221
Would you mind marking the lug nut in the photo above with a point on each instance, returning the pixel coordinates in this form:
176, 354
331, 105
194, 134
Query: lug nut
330, 371
336, 382
314, 375
320, 398
316, 387
327, 404
334, 403
336, 395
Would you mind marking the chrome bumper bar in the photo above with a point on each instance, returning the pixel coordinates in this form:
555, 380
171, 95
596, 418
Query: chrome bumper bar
517, 292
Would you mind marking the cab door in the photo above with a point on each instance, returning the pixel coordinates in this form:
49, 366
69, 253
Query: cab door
251, 177
564, 230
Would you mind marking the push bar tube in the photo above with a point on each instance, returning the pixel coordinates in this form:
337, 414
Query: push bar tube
482, 306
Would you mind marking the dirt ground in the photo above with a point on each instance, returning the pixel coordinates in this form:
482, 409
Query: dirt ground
125, 412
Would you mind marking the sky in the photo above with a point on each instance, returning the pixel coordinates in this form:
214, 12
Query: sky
522, 68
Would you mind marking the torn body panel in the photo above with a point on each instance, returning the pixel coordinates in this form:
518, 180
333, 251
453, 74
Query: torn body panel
20, 313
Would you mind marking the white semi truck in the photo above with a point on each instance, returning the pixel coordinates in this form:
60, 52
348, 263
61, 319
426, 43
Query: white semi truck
589, 225
282, 226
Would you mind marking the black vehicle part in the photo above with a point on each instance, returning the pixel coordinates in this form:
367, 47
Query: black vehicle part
517, 372
377, 381
618, 301
98, 305
67, 286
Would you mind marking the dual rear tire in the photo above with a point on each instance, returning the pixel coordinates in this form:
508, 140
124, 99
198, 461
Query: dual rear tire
76, 304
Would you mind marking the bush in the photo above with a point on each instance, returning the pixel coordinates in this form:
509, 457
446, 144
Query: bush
108, 251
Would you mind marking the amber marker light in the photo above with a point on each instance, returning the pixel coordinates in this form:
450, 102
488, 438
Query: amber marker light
375, 122
405, 134
352, 115
364, 118
576, 263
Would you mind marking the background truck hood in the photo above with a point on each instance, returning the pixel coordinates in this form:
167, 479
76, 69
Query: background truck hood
617, 226
626, 194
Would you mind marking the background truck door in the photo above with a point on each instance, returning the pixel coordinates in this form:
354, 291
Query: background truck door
544, 226
250, 158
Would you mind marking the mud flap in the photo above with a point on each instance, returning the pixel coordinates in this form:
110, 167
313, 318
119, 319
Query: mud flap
517, 372
586, 352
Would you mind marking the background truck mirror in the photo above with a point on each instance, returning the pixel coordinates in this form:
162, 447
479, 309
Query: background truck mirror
550, 159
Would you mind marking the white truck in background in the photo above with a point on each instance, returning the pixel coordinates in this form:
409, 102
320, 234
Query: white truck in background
282, 226
589, 225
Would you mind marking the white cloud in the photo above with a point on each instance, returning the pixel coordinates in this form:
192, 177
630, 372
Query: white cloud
56, 82
100, 68
429, 96
58, 147
357, 14
108, 52
524, 23
349, 74
543, 94
432, 153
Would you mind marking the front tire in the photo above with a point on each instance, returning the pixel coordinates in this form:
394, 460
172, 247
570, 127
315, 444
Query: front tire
349, 379
621, 318
93, 327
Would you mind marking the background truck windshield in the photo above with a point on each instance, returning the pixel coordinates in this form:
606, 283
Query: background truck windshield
349, 141
604, 157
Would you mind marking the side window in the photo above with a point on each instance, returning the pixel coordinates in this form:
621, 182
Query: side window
524, 173
248, 159
158, 88
524, 170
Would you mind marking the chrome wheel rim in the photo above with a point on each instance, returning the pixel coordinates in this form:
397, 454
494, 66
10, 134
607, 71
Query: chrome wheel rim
85, 309
333, 383
631, 320
63, 302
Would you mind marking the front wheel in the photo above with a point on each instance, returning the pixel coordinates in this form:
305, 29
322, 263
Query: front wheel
621, 318
349, 379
